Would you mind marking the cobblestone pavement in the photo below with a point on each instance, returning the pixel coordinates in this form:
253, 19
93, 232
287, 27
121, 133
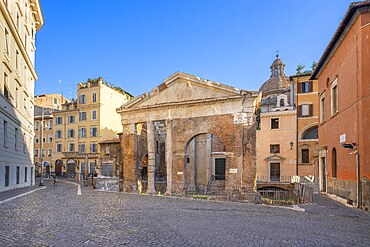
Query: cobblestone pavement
57, 216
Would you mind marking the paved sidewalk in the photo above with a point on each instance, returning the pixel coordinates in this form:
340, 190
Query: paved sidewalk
5, 195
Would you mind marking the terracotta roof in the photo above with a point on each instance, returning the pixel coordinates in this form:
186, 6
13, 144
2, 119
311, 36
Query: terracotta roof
353, 7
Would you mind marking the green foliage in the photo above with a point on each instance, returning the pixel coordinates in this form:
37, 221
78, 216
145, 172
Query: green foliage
299, 69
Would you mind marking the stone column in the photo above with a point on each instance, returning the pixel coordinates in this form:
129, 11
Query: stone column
114, 172
169, 156
151, 158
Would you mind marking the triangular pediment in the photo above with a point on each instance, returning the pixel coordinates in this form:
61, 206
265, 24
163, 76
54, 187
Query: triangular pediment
182, 87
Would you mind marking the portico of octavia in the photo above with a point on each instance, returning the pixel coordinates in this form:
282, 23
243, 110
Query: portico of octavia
189, 135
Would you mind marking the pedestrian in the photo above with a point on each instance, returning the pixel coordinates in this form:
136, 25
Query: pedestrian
54, 180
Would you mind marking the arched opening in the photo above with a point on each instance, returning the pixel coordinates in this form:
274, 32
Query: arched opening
311, 133
70, 168
282, 102
58, 167
205, 164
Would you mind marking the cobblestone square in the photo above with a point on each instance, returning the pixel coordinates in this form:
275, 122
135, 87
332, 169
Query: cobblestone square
57, 216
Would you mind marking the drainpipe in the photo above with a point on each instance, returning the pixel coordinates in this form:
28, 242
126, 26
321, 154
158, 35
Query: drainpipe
359, 193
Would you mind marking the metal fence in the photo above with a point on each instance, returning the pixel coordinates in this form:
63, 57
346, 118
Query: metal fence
302, 194
277, 197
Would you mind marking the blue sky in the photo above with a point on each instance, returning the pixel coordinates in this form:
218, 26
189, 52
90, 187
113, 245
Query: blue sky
136, 44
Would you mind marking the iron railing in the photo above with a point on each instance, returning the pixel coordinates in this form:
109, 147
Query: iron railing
268, 179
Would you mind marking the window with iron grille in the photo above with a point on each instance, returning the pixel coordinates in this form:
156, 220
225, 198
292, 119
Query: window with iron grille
220, 168
334, 161
305, 153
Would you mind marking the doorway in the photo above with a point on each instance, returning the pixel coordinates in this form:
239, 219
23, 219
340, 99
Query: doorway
275, 172
323, 174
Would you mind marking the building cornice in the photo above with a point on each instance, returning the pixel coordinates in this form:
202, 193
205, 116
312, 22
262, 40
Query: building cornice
17, 37
180, 104
278, 113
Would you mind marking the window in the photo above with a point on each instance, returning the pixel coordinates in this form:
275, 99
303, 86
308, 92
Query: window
16, 97
55, 101
334, 161
71, 119
17, 61
6, 42
311, 133
93, 114
107, 170
93, 132
16, 139
59, 147
305, 154
5, 133
71, 133
305, 110
81, 148
50, 152
82, 132
17, 22
94, 97
274, 148
58, 134
322, 108
305, 87
37, 125
107, 150
282, 102
50, 124
7, 171
17, 175
82, 99
93, 148
220, 168
36, 152
43, 152
43, 139
82, 116
6, 90
59, 120
274, 123
25, 174
50, 138
334, 98
71, 147
36, 139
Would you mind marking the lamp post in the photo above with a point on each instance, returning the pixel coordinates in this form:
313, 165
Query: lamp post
41, 144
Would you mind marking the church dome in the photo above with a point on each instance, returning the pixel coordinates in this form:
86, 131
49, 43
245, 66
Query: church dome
277, 80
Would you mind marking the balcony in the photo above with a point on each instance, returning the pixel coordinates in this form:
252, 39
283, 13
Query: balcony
80, 155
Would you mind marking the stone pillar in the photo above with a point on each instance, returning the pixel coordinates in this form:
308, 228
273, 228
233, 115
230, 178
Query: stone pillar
114, 172
151, 158
169, 156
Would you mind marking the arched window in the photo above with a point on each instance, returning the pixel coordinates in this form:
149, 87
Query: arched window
334, 161
282, 102
311, 133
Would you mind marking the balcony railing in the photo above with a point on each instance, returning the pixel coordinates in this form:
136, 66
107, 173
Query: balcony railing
269, 179
80, 155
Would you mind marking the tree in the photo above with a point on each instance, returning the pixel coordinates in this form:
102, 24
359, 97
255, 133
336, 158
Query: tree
299, 69
314, 65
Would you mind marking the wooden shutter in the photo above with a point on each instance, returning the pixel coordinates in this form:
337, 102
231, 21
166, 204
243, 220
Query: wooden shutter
311, 110
299, 87
299, 113
310, 86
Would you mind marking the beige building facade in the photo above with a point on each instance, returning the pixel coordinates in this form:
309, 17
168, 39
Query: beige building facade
19, 22
276, 129
83, 123
45, 106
